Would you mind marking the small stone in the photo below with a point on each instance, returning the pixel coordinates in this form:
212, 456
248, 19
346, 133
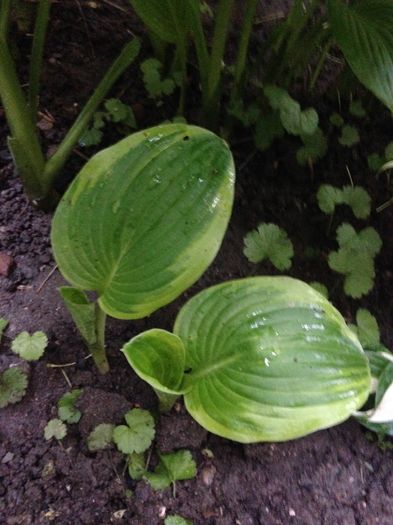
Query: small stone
208, 474
5, 264
8, 457
292, 512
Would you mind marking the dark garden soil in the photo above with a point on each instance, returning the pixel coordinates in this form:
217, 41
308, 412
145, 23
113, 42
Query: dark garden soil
333, 477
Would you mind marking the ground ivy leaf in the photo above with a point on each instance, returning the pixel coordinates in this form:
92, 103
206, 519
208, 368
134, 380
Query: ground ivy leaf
349, 136
358, 199
172, 467
3, 326
66, 406
100, 437
328, 197
314, 148
176, 520
355, 258
116, 110
375, 161
30, 347
389, 152
367, 329
138, 435
13, 384
336, 119
356, 108
136, 465
271, 242
308, 121
91, 137
321, 288
55, 428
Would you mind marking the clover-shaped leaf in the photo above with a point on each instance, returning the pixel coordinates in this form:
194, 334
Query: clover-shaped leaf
30, 347
138, 434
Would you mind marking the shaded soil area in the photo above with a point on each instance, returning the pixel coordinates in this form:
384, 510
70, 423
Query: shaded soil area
335, 476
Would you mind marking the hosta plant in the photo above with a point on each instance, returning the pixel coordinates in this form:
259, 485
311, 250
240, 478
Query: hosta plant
257, 359
140, 224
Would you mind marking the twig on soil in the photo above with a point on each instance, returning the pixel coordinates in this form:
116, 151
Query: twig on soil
64, 365
68, 381
384, 205
52, 271
349, 175
112, 4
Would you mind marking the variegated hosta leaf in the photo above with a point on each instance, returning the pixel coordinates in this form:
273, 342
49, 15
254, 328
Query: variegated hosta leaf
145, 217
267, 359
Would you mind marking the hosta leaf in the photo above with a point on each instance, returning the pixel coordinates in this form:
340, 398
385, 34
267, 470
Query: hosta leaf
82, 312
145, 217
166, 18
364, 32
268, 359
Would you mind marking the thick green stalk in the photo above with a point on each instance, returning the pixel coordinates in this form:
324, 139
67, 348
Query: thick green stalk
98, 348
24, 143
40, 28
221, 29
57, 161
5, 8
202, 52
249, 12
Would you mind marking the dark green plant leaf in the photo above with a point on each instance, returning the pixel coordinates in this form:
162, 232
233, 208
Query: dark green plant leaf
375, 162
367, 329
315, 147
144, 218
358, 199
177, 520
336, 119
364, 32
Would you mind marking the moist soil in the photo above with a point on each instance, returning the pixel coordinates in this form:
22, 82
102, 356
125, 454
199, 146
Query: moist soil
338, 476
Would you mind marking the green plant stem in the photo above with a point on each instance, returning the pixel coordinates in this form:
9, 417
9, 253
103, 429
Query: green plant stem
5, 8
200, 46
211, 109
23, 143
249, 10
320, 64
40, 28
98, 349
165, 400
57, 161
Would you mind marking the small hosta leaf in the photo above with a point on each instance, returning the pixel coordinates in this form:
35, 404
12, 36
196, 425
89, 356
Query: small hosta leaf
349, 136
30, 347
55, 428
66, 406
137, 435
13, 384
100, 437
271, 242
